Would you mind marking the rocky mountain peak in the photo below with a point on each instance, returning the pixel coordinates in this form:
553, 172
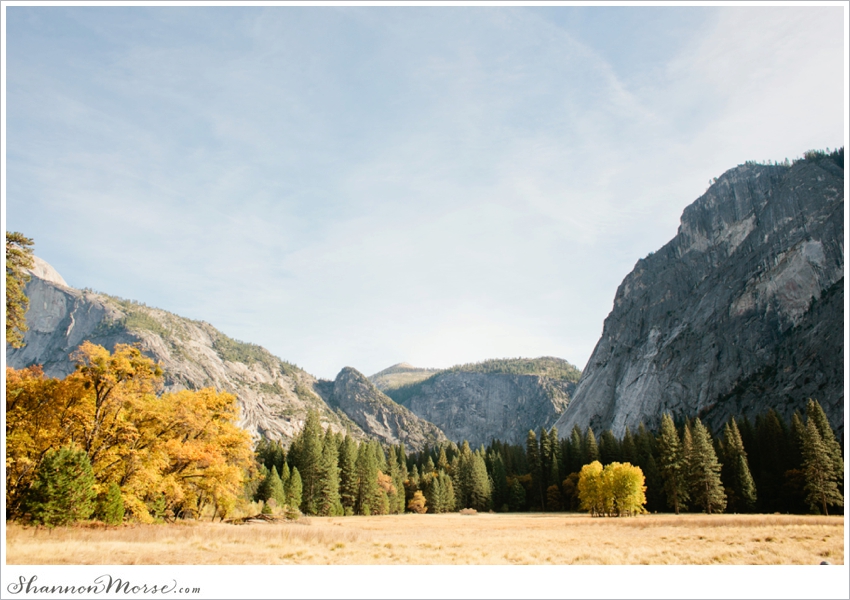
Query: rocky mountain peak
714, 312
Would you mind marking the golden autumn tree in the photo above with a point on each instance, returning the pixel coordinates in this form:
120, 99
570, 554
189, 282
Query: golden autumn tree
618, 489
177, 452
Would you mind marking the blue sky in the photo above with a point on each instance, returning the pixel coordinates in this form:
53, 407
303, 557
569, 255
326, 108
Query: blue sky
363, 186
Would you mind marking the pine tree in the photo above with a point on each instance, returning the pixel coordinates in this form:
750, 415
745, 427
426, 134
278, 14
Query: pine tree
306, 454
706, 486
532, 452
773, 452
447, 503
609, 449
576, 452
590, 450
814, 411
821, 479
110, 508
545, 457
294, 491
63, 489
479, 484
276, 490
500, 483
516, 499
672, 465
18, 260
348, 482
367, 477
328, 501
628, 450
554, 454
738, 481
443, 461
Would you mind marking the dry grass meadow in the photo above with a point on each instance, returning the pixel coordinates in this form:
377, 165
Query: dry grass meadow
490, 539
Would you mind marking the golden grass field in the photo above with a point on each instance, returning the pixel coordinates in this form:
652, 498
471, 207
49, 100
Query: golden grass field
536, 538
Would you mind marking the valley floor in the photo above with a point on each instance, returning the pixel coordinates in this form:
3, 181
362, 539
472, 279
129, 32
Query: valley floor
536, 538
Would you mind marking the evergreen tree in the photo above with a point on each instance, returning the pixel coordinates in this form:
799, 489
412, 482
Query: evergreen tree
443, 461
672, 465
646, 460
821, 479
479, 484
447, 496
397, 501
516, 499
263, 492
706, 486
532, 453
306, 454
348, 482
18, 260
773, 452
590, 450
328, 501
554, 452
628, 450
738, 481
368, 495
545, 458
500, 483
276, 491
576, 450
110, 508
609, 448
270, 454
295, 490
814, 411
553, 499
63, 489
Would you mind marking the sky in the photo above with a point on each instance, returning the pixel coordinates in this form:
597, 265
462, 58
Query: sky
362, 186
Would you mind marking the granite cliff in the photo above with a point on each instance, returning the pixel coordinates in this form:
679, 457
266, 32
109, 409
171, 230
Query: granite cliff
497, 399
356, 396
741, 312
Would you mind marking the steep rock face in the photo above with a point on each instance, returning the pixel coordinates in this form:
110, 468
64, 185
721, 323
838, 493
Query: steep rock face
732, 316
480, 407
274, 396
370, 409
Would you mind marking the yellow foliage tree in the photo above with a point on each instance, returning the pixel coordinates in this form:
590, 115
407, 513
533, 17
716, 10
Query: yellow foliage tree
181, 451
591, 492
618, 489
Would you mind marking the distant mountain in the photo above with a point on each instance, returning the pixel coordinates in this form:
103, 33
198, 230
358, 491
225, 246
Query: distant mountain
496, 399
400, 375
373, 411
274, 395
741, 312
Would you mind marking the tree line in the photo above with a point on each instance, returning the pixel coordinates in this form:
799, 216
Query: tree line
767, 466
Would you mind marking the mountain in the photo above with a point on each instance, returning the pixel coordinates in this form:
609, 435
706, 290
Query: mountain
373, 411
399, 375
496, 399
742, 311
274, 395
